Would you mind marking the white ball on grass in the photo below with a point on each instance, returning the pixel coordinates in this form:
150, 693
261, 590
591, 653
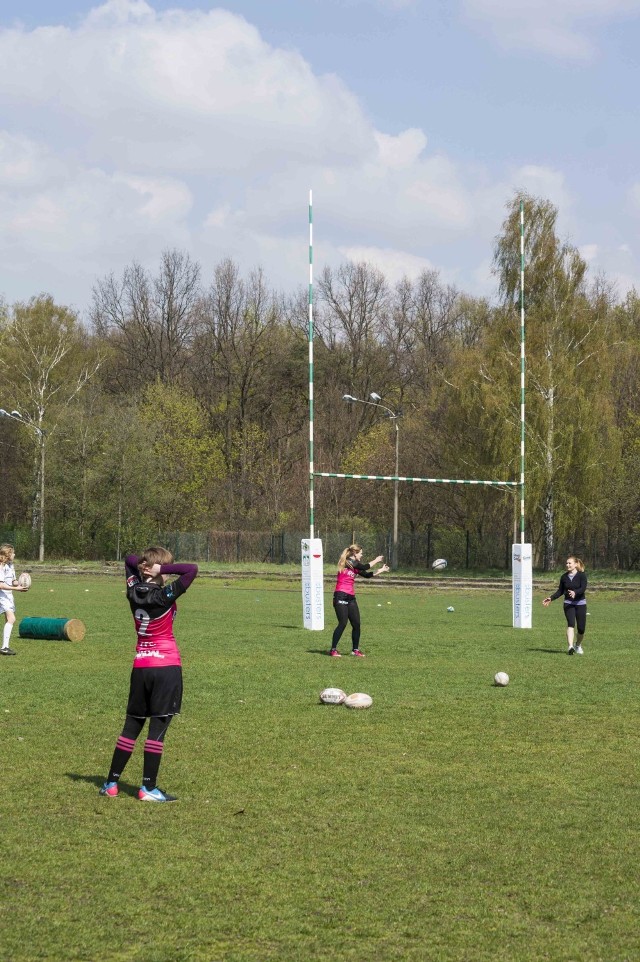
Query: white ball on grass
358, 700
332, 696
501, 679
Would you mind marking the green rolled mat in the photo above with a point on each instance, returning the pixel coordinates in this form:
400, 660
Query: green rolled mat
54, 629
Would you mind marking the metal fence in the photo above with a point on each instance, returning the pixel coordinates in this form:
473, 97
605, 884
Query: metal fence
612, 547
462, 549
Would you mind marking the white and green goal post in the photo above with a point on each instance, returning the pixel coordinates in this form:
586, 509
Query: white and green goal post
311, 547
312, 556
522, 555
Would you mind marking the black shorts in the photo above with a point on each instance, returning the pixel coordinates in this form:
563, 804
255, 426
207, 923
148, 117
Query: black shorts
155, 691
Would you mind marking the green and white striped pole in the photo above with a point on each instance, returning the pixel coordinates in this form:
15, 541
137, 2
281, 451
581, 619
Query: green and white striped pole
522, 370
312, 560
393, 477
311, 493
522, 559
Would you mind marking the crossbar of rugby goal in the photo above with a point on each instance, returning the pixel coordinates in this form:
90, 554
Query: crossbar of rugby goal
393, 477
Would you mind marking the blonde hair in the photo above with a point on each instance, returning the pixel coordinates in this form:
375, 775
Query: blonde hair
155, 555
579, 562
349, 552
7, 551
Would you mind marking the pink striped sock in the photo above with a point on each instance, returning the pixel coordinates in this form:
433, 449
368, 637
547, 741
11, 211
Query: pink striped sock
125, 744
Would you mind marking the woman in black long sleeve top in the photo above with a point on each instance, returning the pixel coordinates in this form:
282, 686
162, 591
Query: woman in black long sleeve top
573, 585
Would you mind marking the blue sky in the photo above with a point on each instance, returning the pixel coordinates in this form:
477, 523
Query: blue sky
129, 126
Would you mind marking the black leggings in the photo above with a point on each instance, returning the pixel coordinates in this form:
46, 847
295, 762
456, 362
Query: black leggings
576, 615
158, 725
346, 609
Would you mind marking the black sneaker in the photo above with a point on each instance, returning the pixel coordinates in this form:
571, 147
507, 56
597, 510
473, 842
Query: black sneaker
7, 651
571, 651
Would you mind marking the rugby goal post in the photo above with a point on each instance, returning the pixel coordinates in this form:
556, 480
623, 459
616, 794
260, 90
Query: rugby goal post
312, 584
522, 587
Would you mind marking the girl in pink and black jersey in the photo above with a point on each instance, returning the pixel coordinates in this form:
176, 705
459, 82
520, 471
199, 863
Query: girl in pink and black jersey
350, 567
155, 690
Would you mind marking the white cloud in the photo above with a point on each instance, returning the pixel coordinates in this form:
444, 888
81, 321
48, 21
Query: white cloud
561, 28
589, 252
402, 150
543, 182
617, 264
185, 128
192, 90
25, 164
67, 231
392, 263
158, 198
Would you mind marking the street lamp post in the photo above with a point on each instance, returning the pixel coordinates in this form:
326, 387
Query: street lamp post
376, 401
16, 416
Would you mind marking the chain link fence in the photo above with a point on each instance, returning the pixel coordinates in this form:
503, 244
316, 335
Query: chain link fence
462, 549
611, 548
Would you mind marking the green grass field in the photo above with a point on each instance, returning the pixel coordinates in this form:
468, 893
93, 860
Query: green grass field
451, 821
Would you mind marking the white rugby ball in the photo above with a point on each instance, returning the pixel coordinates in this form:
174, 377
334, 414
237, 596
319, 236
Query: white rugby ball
439, 564
358, 700
332, 696
501, 679
25, 580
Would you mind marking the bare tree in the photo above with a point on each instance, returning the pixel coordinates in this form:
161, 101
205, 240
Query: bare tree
356, 299
150, 321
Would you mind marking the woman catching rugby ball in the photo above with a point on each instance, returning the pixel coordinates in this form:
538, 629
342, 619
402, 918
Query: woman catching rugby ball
351, 566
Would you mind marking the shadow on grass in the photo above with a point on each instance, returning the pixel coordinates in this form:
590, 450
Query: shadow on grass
98, 781
293, 627
318, 651
549, 651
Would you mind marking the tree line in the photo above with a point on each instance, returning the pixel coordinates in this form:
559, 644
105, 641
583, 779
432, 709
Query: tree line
180, 403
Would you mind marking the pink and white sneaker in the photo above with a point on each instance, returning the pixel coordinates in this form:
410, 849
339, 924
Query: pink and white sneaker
358, 653
334, 653
110, 789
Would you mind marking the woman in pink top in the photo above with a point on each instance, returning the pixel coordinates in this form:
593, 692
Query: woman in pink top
351, 566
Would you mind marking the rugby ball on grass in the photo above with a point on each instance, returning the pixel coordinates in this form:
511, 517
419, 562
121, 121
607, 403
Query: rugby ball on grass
439, 564
25, 580
332, 696
358, 700
501, 679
